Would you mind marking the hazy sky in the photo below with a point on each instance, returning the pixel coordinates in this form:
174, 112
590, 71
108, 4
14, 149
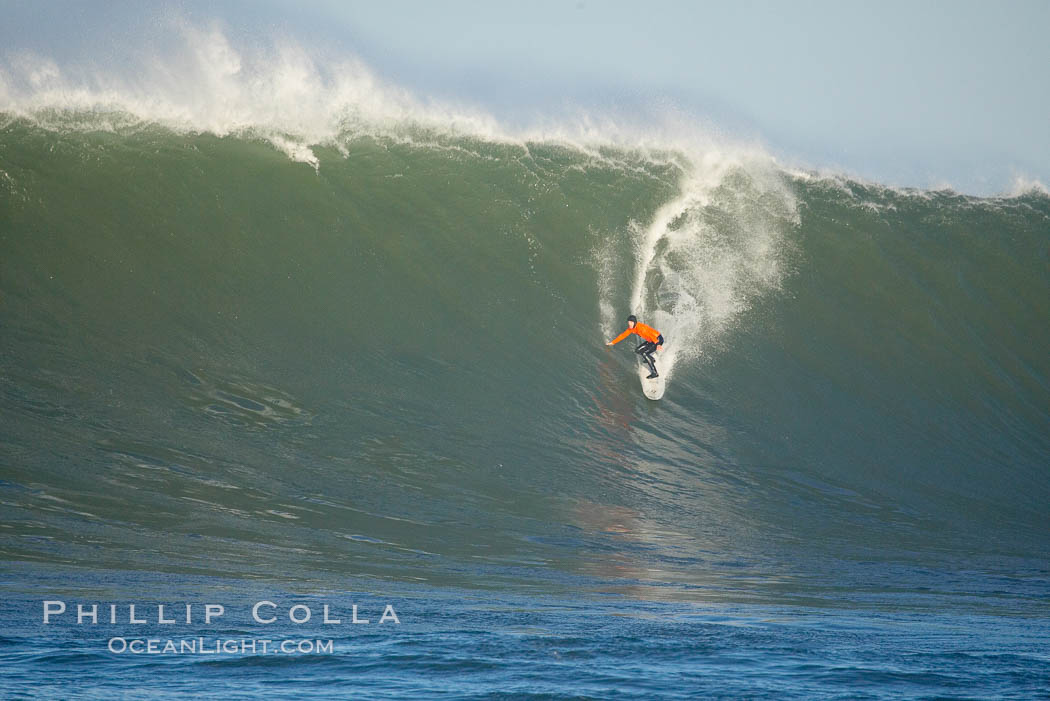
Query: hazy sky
911, 93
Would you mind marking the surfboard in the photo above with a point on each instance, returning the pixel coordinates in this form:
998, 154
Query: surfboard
652, 389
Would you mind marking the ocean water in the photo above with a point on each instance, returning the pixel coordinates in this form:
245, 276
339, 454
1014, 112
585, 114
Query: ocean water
355, 355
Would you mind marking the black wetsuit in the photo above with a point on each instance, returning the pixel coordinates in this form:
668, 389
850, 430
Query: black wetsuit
646, 350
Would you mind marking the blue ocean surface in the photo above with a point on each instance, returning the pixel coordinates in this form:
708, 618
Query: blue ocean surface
469, 644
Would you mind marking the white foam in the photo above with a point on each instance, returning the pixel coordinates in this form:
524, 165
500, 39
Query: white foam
844, 183
297, 96
1023, 185
281, 93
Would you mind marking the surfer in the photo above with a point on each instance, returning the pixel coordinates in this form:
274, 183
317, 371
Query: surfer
652, 341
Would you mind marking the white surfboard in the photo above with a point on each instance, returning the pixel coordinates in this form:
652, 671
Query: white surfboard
653, 389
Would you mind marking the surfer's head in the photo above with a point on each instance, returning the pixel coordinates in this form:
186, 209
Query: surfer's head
631, 321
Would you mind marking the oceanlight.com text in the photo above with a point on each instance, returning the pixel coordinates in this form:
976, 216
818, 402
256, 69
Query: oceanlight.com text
219, 646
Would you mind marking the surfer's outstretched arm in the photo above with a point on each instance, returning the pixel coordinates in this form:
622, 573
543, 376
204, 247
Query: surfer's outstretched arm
619, 338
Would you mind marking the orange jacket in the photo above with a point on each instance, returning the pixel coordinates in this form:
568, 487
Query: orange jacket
647, 332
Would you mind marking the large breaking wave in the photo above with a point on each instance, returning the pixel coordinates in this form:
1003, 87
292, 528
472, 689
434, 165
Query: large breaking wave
392, 361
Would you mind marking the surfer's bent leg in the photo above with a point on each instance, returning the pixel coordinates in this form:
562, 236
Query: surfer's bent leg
649, 356
646, 350
650, 362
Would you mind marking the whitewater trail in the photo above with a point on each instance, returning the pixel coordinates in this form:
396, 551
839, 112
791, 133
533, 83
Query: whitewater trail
706, 256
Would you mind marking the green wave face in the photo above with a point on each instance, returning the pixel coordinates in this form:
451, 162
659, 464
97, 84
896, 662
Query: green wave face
390, 360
